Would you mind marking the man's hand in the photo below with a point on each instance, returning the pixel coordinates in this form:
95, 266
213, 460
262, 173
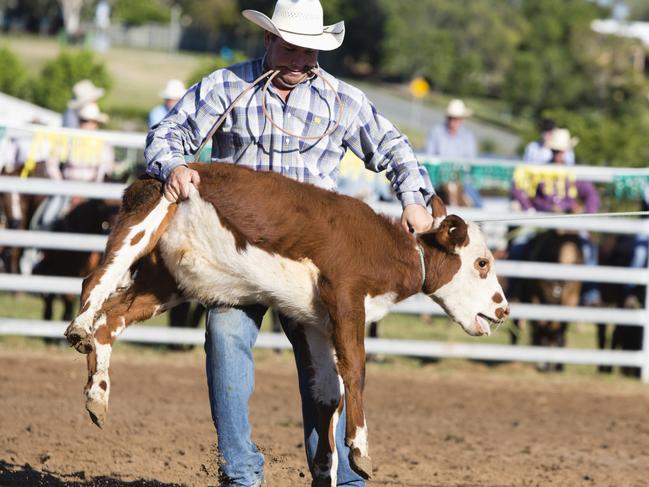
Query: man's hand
415, 218
177, 185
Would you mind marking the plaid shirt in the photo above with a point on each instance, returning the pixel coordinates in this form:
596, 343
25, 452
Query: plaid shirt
246, 137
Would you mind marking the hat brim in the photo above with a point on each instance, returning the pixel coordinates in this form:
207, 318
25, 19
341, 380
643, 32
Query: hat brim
465, 114
564, 148
102, 118
167, 95
78, 103
331, 38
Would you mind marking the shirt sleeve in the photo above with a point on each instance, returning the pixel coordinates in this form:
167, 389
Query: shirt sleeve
383, 148
185, 127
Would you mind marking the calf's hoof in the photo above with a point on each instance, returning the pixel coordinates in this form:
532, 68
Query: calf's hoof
361, 465
79, 338
98, 411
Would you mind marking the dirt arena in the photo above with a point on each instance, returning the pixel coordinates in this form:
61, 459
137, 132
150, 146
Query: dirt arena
447, 424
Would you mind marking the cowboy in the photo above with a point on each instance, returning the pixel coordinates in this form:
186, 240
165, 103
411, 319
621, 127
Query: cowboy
299, 124
452, 139
172, 92
84, 92
562, 196
538, 152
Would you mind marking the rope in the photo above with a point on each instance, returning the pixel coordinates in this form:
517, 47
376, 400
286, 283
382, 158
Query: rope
303, 137
271, 74
549, 217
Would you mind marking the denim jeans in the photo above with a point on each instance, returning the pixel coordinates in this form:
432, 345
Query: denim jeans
230, 336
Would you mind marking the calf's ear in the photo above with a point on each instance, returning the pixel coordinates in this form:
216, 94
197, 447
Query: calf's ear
438, 210
452, 234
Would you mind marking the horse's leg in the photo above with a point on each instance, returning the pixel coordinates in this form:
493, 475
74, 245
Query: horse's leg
136, 233
153, 291
602, 345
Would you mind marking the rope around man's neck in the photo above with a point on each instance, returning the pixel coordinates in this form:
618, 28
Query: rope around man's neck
272, 74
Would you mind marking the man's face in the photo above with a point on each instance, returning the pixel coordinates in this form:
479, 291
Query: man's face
293, 62
558, 156
454, 123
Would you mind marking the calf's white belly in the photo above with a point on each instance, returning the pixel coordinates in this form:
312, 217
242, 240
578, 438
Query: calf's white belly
201, 255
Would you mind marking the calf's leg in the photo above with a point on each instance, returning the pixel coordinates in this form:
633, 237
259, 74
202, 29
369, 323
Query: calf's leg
347, 312
135, 234
153, 291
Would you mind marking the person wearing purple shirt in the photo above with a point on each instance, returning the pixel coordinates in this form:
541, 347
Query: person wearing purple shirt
562, 197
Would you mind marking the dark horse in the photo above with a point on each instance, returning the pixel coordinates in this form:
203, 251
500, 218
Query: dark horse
551, 247
618, 251
88, 217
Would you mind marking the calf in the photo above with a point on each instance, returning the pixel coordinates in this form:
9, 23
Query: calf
325, 260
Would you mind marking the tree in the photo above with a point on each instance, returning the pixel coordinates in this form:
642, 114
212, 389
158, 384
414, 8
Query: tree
461, 46
53, 88
13, 76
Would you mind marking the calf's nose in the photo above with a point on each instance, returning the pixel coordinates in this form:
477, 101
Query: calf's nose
502, 313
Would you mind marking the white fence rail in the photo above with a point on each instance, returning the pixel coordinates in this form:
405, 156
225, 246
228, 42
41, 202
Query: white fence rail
418, 304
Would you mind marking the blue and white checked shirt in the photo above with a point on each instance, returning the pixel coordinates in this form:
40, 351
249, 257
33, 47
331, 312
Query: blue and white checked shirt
246, 137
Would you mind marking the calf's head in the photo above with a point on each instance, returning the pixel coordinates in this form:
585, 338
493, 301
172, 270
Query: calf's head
460, 276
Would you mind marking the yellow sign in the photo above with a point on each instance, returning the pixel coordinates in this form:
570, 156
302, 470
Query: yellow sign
419, 87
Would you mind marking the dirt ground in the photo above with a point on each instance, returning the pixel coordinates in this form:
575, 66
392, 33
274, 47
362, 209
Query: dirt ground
446, 424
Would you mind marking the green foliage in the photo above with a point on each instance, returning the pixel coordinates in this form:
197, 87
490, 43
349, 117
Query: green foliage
212, 65
13, 76
141, 11
53, 88
605, 141
462, 47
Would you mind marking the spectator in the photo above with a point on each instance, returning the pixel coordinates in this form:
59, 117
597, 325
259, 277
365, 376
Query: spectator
174, 90
538, 152
84, 92
82, 159
561, 197
453, 140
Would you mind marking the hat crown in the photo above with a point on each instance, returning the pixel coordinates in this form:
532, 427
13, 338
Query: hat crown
457, 108
299, 16
561, 140
174, 89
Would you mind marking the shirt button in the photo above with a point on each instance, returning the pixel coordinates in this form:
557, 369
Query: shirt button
289, 115
287, 140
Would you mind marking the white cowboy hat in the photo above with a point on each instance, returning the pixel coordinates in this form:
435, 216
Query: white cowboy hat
85, 92
457, 109
91, 112
560, 140
174, 90
300, 22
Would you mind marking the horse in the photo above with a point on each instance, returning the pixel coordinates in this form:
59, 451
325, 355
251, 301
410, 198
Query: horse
551, 247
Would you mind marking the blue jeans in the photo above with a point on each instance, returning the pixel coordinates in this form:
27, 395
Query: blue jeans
230, 336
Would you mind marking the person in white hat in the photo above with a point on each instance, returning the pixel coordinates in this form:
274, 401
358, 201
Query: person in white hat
538, 152
83, 93
173, 91
452, 139
300, 125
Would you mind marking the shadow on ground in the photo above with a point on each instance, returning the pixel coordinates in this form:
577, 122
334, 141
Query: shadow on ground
25, 476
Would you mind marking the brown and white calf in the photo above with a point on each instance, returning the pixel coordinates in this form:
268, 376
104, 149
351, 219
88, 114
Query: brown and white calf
325, 260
